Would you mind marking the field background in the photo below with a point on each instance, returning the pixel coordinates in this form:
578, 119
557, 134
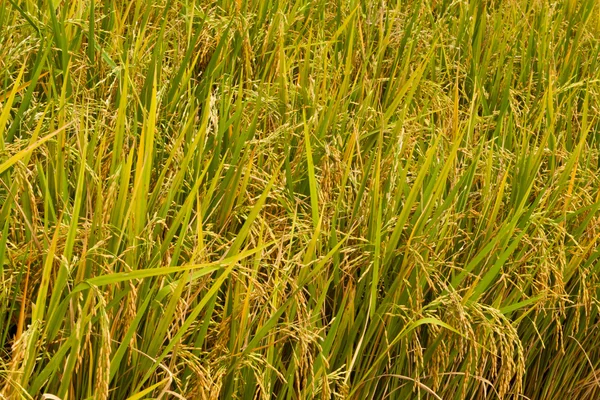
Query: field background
299, 199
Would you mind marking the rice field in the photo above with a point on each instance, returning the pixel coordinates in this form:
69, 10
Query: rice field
302, 199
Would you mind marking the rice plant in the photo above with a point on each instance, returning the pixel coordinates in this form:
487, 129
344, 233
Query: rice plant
303, 199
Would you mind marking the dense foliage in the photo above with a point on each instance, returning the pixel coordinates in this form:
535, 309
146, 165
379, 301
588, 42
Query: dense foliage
300, 199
